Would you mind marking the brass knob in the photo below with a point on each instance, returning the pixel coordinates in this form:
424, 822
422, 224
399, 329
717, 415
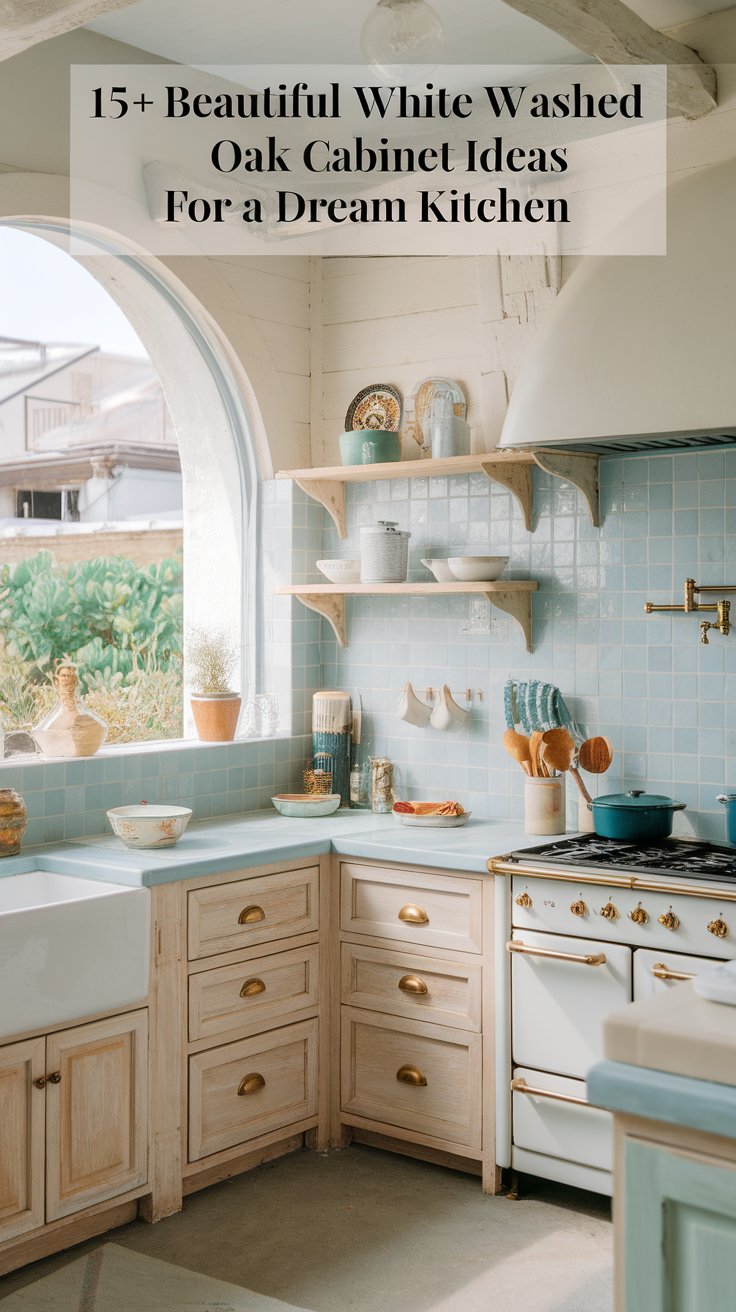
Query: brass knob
719, 928
639, 915
249, 915
54, 1077
40, 1083
252, 987
609, 911
523, 900
251, 1084
411, 1075
579, 908
413, 984
669, 920
413, 915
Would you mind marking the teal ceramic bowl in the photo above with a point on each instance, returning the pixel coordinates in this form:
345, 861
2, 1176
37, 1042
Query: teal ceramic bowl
370, 446
301, 806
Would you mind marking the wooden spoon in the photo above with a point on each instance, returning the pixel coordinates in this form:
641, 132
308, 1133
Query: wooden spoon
517, 745
539, 769
558, 753
595, 755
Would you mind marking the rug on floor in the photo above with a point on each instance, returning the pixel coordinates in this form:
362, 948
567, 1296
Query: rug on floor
115, 1279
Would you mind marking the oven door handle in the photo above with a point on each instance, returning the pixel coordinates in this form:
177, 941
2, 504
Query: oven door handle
661, 971
521, 1086
589, 959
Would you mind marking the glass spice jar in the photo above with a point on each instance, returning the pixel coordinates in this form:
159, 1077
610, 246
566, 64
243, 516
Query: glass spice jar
12, 822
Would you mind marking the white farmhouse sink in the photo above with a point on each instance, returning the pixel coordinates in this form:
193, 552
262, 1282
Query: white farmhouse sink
69, 948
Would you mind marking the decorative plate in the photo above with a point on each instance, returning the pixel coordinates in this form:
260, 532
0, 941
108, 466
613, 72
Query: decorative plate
433, 821
377, 406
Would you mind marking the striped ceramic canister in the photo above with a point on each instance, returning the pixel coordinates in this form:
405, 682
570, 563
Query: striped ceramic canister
332, 724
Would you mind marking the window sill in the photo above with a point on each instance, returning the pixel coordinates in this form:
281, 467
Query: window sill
114, 750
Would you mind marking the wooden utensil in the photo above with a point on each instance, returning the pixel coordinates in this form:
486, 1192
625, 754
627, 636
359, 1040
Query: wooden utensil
595, 755
539, 769
517, 745
558, 753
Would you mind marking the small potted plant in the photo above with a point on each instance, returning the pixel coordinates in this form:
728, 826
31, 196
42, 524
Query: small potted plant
211, 658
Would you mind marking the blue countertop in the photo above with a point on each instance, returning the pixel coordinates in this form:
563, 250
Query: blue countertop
263, 838
658, 1096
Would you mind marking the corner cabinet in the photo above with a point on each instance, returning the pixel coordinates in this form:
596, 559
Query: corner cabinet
73, 1121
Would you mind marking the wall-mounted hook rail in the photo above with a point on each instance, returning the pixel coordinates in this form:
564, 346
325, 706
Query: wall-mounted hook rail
691, 604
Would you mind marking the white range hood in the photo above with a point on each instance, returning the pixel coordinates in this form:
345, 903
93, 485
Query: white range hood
640, 352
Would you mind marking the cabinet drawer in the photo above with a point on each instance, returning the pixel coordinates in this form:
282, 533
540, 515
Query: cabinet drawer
446, 992
657, 971
442, 1096
436, 910
571, 1131
242, 1090
225, 917
254, 992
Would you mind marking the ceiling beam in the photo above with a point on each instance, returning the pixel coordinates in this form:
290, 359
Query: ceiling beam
24, 23
614, 34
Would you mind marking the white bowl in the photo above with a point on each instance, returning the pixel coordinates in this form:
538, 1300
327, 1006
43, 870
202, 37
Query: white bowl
301, 806
154, 825
340, 571
440, 569
477, 569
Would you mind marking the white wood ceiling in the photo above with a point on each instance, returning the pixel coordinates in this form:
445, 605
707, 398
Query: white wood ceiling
327, 31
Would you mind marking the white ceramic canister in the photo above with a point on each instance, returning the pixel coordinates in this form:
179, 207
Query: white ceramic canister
544, 805
384, 553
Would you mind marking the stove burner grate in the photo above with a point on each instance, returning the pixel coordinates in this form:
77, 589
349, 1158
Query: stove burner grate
687, 857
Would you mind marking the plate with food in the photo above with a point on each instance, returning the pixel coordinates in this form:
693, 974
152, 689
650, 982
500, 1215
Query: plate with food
431, 815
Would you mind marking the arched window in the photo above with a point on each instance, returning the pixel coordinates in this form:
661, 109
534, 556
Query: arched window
204, 398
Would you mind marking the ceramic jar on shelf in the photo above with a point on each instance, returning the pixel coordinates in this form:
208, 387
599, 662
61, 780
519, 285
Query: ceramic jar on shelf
12, 822
384, 553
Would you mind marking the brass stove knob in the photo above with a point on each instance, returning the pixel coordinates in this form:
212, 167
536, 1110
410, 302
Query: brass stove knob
669, 920
718, 927
609, 911
523, 900
639, 915
579, 908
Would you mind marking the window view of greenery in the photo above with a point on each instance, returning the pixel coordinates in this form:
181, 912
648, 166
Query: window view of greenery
90, 505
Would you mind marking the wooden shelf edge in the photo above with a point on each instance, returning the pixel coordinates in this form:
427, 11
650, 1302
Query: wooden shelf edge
514, 597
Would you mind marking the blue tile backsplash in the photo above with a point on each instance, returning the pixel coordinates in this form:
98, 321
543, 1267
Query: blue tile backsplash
666, 701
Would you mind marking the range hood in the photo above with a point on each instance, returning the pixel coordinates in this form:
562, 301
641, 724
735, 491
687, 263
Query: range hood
639, 353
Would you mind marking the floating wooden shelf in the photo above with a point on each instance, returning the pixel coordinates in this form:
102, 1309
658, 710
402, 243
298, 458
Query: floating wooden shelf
510, 595
512, 469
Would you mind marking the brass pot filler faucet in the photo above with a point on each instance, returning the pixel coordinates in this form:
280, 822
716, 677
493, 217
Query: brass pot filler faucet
722, 624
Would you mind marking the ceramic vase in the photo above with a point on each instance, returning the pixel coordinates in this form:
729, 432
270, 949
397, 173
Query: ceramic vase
216, 716
12, 821
69, 729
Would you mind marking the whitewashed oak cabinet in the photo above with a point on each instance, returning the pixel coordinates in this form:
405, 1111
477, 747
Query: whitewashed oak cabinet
304, 1002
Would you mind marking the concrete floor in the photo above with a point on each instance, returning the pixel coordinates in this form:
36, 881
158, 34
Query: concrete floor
363, 1231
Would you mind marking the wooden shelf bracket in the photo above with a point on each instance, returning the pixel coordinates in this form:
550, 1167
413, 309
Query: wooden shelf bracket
329, 493
331, 608
517, 479
577, 467
519, 606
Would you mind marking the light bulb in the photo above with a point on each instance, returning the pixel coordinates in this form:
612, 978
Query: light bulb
402, 35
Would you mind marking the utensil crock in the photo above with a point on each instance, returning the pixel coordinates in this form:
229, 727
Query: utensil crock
635, 817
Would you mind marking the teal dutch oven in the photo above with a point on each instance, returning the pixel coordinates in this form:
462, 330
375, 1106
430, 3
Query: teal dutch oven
636, 816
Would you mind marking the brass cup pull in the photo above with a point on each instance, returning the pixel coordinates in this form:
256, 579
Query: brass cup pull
411, 1075
413, 915
661, 971
252, 987
250, 915
413, 984
251, 1084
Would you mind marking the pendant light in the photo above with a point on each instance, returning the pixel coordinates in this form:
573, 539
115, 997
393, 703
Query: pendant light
401, 37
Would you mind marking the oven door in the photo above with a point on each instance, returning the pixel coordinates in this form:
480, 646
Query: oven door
656, 972
561, 990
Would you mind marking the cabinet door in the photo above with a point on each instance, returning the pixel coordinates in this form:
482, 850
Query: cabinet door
22, 1117
679, 1231
656, 972
96, 1113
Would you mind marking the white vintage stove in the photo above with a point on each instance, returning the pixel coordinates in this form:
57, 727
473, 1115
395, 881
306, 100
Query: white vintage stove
583, 926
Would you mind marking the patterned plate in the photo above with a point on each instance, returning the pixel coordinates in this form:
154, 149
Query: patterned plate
378, 406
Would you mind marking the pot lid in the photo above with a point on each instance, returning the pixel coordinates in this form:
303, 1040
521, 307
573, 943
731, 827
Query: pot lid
636, 799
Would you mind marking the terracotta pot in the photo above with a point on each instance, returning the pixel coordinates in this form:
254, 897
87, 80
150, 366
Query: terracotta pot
12, 821
216, 716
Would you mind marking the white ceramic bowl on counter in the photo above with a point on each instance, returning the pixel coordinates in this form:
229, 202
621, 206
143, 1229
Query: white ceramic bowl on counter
440, 568
340, 571
154, 825
477, 569
302, 806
